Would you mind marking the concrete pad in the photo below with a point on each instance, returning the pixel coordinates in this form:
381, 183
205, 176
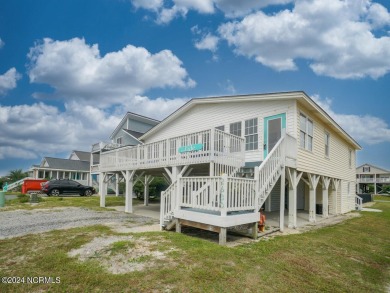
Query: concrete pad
151, 211
371, 210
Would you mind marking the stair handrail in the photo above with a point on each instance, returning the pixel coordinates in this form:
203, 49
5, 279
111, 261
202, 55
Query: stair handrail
17, 183
268, 177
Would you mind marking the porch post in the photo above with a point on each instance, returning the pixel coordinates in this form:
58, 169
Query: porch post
325, 196
335, 187
148, 180
282, 198
101, 190
116, 184
313, 181
293, 180
129, 190
224, 195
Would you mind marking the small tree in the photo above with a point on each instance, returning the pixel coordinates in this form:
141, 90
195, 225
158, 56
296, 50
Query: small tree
17, 174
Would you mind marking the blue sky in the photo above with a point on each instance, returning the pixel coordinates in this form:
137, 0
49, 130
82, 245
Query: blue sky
69, 70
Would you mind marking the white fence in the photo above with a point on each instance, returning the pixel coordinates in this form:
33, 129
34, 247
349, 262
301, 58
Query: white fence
195, 148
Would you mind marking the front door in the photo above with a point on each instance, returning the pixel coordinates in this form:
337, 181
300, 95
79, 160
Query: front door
273, 129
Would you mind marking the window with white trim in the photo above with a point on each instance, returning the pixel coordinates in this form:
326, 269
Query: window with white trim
306, 133
235, 128
251, 135
366, 169
119, 140
327, 144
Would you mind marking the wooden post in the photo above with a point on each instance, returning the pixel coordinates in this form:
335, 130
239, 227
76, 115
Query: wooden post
257, 188
224, 195
282, 198
129, 191
148, 180
325, 196
178, 226
313, 181
101, 190
116, 184
222, 236
255, 229
293, 181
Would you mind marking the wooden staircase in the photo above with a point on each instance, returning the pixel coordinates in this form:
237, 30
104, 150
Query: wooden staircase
237, 190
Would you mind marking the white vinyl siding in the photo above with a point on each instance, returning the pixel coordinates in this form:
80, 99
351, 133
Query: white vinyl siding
251, 134
207, 116
337, 165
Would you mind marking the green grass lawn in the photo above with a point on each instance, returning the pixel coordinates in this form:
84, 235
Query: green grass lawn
353, 256
65, 201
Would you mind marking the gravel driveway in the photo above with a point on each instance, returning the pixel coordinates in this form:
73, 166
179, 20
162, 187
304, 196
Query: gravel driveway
22, 222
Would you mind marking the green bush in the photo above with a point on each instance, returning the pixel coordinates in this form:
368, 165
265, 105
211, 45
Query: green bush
23, 198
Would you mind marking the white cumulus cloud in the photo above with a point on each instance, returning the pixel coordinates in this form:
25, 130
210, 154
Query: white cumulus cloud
336, 36
208, 42
168, 10
363, 128
34, 131
76, 71
8, 80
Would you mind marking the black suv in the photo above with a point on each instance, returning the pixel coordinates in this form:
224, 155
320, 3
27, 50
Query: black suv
59, 186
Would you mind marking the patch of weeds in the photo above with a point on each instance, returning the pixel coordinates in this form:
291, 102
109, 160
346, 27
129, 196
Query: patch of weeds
121, 246
141, 259
23, 198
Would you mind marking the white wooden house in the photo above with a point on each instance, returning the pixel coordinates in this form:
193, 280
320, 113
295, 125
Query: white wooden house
225, 157
76, 167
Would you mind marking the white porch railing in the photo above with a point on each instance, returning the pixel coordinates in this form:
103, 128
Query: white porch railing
219, 194
195, 148
225, 194
97, 147
373, 180
358, 203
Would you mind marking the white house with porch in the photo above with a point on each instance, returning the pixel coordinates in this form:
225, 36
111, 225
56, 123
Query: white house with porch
225, 157
368, 174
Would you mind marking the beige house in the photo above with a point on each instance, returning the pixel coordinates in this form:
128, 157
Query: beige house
226, 157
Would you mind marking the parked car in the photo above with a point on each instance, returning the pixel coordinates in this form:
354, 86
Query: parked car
60, 186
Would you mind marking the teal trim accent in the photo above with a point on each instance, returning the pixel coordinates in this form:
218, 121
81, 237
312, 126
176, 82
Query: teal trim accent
266, 120
190, 148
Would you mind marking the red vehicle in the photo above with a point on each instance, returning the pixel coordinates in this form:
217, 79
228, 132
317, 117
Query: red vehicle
32, 185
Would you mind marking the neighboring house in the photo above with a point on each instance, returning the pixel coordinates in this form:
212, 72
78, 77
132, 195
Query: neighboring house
227, 156
127, 133
368, 174
76, 167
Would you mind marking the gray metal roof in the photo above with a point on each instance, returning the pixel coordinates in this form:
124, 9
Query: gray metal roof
83, 156
136, 134
65, 164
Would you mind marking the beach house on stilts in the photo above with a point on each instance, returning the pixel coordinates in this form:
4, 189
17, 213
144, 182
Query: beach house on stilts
225, 157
